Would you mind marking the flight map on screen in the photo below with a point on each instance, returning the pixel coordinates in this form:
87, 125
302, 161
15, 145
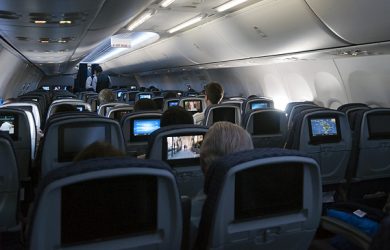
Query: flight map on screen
323, 127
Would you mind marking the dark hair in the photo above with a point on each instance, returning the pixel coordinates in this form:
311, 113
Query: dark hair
64, 108
176, 115
214, 92
98, 69
144, 105
98, 149
252, 96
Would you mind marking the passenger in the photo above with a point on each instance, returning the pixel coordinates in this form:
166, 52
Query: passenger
145, 105
221, 139
103, 80
170, 95
106, 96
213, 95
176, 115
98, 149
90, 83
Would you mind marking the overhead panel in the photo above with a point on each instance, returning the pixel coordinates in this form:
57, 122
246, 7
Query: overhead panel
355, 21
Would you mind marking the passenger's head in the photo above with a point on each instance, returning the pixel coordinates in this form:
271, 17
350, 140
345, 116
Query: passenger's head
106, 96
98, 70
62, 108
98, 149
10, 100
145, 105
176, 115
214, 93
221, 139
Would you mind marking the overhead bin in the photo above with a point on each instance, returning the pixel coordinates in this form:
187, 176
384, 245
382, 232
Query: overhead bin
355, 21
269, 27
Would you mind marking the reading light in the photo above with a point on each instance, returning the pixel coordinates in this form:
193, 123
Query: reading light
229, 5
140, 19
40, 21
65, 22
166, 3
44, 41
186, 24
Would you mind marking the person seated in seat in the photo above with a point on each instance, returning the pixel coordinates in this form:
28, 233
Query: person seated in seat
176, 115
221, 139
106, 96
145, 105
213, 95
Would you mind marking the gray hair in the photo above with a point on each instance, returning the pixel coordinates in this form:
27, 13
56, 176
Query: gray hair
223, 138
106, 96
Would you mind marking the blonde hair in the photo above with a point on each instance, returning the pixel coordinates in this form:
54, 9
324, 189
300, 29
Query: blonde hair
106, 96
223, 138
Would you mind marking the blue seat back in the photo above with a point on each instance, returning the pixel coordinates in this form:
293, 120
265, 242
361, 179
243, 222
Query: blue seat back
261, 199
222, 112
108, 203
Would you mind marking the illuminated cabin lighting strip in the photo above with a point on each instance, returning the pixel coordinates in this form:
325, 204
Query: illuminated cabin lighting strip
186, 24
166, 3
229, 5
141, 19
40, 21
65, 22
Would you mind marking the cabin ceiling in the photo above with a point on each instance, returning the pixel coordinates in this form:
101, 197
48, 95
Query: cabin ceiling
253, 32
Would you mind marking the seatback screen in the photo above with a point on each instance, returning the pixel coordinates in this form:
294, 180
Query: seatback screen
266, 123
145, 126
173, 103
324, 130
268, 190
73, 139
108, 208
9, 124
145, 96
224, 114
80, 108
193, 105
259, 105
379, 125
121, 113
182, 150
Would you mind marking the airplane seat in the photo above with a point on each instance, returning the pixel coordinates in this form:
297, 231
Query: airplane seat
31, 107
345, 107
118, 112
369, 167
79, 105
351, 113
9, 186
296, 110
104, 108
222, 112
291, 105
131, 96
108, 203
67, 115
66, 137
167, 144
237, 103
261, 199
257, 103
159, 101
325, 135
170, 102
137, 127
268, 127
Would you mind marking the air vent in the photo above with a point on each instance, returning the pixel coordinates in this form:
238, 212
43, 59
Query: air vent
9, 15
58, 40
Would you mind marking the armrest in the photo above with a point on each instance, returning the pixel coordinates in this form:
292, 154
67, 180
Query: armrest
351, 233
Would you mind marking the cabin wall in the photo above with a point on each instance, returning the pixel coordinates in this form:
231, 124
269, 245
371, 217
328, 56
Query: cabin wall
17, 76
330, 82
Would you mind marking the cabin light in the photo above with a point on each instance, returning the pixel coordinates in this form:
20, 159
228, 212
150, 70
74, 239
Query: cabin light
65, 22
40, 21
166, 3
44, 41
140, 20
186, 24
229, 5
62, 41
